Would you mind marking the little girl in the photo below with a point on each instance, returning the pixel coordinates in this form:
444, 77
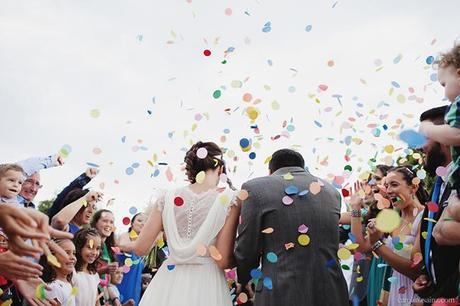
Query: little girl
88, 245
59, 278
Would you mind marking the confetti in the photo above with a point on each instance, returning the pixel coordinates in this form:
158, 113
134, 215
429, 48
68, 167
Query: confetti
287, 200
40, 292
178, 201
303, 239
243, 195
207, 52
201, 249
202, 153
53, 260
214, 252
343, 253
95, 113
200, 177
315, 188
387, 220
302, 229
272, 257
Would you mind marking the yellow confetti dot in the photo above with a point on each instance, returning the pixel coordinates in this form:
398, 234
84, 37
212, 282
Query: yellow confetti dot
128, 262
53, 260
343, 253
201, 250
252, 112
364, 176
424, 234
401, 98
288, 176
389, 149
160, 243
359, 279
275, 105
200, 177
268, 159
243, 195
84, 202
91, 243
224, 200
133, 234
40, 292
315, 188
352, 246
95, 113
387, 220
268, 230
303, 240
214, 252
74, 291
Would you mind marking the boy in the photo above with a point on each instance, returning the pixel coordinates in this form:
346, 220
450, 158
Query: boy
11, 180
449, 134
115, 279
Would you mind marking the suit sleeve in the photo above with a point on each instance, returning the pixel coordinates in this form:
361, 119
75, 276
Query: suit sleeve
79, 182
249, 240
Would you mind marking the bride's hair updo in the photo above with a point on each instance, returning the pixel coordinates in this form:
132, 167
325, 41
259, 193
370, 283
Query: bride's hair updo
195, 164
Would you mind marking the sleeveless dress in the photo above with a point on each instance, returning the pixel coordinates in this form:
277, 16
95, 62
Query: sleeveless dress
401, 292
191, 222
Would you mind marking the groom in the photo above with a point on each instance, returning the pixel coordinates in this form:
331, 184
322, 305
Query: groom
289, 226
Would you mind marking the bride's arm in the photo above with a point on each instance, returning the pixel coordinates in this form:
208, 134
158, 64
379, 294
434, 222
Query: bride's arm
142, 245
225, 241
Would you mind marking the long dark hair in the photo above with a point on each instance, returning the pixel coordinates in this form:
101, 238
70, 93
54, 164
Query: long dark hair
72, 196
80, 239
408, 175
49, 272
214, 159
109, 241
132, 221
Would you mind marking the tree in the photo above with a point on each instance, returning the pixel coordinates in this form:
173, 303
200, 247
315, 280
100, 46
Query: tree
43, 206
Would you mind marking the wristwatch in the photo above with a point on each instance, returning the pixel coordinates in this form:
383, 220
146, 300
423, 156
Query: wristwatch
377, 245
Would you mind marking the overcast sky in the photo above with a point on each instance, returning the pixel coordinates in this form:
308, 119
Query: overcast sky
140, 65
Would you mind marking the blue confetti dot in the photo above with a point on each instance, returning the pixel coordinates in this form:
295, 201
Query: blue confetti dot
291, 128
129, 171
291, 89
135, 165
92, 165
252, 155
226, 131
123, 139
376, 132
348, 140
412, 138
256, 273
272, 257
434, 77
318, 124
270, 62
395, 84
171, 267
156, 173
308, 28
244, 142
385, 127
430, 60
346, 226
290, 190
266, 29
132, 210
352, 237
268, 283
303, 192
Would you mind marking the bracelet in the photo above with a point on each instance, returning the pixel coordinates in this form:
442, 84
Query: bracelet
356, 213
377, 245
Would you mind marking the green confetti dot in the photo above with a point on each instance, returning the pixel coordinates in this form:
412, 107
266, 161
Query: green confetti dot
217, 93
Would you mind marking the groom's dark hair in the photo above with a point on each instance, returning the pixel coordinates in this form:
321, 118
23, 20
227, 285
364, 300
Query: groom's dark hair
285, 158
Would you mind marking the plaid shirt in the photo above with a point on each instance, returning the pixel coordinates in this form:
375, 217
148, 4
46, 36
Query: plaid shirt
452, 118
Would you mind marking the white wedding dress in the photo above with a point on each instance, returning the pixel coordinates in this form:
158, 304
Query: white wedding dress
187, 278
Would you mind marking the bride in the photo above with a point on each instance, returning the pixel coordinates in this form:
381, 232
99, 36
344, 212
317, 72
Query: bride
199, 221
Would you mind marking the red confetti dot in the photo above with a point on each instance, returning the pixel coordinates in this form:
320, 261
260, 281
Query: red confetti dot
207, 52
178, 201
345, 193
433, 207
126, 221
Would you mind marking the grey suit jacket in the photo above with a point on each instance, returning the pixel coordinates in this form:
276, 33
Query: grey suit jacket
302, 275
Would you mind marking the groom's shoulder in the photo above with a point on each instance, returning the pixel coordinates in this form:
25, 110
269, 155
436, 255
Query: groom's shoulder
258, 181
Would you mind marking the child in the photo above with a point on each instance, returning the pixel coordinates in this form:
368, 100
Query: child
88, 245
449, 134
115, 279
59, 278
11, 179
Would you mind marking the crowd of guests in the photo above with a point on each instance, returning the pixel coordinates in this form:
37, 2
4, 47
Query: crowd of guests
71, 256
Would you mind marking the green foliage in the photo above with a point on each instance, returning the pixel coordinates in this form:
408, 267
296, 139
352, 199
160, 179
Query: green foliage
43, 206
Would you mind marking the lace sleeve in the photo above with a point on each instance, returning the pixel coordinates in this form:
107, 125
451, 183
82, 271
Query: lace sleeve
156, 201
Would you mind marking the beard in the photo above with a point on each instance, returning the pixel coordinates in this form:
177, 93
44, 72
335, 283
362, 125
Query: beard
434, 159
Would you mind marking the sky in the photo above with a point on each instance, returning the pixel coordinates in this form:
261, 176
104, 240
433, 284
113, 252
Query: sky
122, 83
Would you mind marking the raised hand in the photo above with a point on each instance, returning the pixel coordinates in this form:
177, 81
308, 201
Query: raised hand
14, 267
27, 289
94, 196
91, 172
58, 160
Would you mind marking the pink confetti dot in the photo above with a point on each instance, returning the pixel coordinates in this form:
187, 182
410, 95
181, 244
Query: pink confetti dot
228, 11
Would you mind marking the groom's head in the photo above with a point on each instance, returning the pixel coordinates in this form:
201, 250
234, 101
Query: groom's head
285, 158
